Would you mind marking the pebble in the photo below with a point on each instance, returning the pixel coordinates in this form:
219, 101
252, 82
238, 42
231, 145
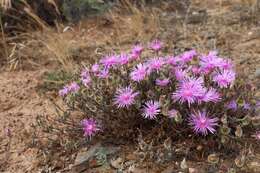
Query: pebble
85, 154
193, 170
184, 164
116, 163
86, 157
254, 166
257, 73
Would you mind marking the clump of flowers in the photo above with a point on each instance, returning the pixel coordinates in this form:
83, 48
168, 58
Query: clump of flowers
128, 87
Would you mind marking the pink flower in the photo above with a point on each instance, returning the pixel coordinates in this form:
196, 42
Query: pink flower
73, 87
257, 105
109, 61
225, 64
190, 90
64, 91
232, 105
196, 70
136, 52
246, 106
257, 135
209, 62
95, 68
202, 124
137, 49
8, 132
84, 73
90, 127
123, 58
151, 109
172, 113
155, 64
125, 97
134, 56
180, 74
162, 82
211, 96
86, 81
156, 45
188, 56
172, 60
85, 77
224, 78
139, 73
103, 74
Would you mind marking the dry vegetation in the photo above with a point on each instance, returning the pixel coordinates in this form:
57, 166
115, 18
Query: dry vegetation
29, 47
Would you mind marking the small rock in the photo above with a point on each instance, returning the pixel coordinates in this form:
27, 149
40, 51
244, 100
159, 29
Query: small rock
184, 164
85, 154
256, 120
82, 161
257, 73
117, 163
193, 170
92, 157
199, 147
137, 170
254, 166
197, 17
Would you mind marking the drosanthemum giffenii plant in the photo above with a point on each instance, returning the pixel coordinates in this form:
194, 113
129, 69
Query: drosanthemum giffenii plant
196, 92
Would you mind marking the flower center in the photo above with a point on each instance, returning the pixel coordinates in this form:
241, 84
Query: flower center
126, 97
203, 122
142, 72
223, 81
90, 127
152, 110
187, 93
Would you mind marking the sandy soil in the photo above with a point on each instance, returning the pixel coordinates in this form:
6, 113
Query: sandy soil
19, 105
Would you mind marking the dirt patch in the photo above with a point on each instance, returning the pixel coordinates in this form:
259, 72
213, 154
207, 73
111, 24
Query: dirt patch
19, 105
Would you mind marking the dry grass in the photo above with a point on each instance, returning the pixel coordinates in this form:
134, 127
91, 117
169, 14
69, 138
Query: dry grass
25, 21
128, 24
60, 48
6, 4
122, 25
3, 40
136, 23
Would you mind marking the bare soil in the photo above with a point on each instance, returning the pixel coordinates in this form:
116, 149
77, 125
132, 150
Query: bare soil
20, 104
